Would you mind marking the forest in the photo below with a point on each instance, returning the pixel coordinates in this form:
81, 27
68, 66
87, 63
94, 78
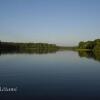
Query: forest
18, 46
90, 45
93, 46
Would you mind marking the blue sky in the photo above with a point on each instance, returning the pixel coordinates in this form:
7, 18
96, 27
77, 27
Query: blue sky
64, 22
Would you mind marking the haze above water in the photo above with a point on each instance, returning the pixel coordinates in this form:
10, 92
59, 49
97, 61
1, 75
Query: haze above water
59, 75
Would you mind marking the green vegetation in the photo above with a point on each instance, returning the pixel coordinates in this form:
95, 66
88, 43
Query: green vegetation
32, 46
17, 46
93, 46
11, 47
90, 49
90, 46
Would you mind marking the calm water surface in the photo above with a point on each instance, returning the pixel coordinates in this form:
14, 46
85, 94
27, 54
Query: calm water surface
63, 75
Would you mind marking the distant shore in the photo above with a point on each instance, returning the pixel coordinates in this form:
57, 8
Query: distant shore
93, 46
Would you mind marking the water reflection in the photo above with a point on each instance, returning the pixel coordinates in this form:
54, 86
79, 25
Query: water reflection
87, 54
58, 76
90, 54
29, 51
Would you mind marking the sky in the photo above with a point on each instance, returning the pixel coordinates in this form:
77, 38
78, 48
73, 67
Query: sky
62, 22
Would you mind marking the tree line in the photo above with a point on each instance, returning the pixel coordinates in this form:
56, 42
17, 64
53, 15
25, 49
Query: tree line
16, 46
90, 45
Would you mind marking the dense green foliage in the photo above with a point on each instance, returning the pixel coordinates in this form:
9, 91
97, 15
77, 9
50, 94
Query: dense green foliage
92, 45
88, 45
17, 46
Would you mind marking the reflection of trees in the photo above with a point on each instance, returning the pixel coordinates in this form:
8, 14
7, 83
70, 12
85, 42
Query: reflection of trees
90, 54
29, 51
39, 48
97, 55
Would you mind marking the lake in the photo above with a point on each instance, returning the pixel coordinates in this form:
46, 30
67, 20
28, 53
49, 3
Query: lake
61, 75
